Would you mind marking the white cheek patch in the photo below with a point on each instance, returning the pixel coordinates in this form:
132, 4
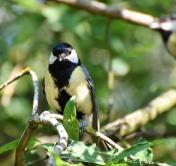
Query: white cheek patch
168, 26
52, 59
73, 57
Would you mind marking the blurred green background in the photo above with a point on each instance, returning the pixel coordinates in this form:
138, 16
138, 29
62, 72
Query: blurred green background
135, 56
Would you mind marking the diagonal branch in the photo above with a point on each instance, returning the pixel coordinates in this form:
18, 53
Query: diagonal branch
26, 71
100, 8
135, 120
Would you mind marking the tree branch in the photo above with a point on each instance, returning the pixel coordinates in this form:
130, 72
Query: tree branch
100, 8
26, 71
43, 119
92, 132
135, 120
8, 92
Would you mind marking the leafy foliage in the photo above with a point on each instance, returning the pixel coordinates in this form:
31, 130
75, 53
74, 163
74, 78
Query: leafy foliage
79, 152
70, 121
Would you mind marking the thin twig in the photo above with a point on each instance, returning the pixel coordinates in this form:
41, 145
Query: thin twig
140, 117
26, 71
100, 8
36, 91
17, 76
8, 92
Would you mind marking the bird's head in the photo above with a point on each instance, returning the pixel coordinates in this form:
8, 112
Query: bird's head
166, 26
63, 52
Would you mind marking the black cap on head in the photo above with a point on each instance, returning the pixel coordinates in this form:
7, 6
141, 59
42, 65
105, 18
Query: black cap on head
60, 48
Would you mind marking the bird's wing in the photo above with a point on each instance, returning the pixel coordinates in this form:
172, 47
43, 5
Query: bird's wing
43, 87
95, 120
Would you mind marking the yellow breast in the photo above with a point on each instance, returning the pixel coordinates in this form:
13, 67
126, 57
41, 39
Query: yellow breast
78, 86
51, 92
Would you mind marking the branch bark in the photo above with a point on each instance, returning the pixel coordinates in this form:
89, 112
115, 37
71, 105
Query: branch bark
9, 91
100, 8
43, 119
26, 71
135, 120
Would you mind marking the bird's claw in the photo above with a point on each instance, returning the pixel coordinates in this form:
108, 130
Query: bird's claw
83, 126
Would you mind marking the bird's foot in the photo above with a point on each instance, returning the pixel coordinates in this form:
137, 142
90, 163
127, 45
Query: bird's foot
83, 125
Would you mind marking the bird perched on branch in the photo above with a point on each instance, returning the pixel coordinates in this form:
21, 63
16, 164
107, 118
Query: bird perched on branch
167, 28
67, 77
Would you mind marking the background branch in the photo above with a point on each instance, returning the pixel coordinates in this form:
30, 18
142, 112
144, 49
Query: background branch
100, 8
14, 78
135, 120
18, 75
9, 91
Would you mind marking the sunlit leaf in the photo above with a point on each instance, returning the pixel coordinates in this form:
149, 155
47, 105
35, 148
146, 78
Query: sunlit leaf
78, 151
141, 146
70, 121
145, 155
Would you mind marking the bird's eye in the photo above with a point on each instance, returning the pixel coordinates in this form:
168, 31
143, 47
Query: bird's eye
69, 52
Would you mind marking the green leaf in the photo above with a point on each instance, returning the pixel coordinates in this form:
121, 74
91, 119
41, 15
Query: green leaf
70, 121
13, 145
78, 151
145, 155
9, 146
131, 151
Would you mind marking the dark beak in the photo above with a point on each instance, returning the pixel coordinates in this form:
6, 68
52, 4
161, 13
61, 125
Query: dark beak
61, 57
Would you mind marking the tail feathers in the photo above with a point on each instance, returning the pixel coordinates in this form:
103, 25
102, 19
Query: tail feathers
95, 121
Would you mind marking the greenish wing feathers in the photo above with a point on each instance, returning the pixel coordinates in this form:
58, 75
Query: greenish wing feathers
95, 120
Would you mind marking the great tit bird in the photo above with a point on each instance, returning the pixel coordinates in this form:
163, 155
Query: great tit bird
167, 28
67, 77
